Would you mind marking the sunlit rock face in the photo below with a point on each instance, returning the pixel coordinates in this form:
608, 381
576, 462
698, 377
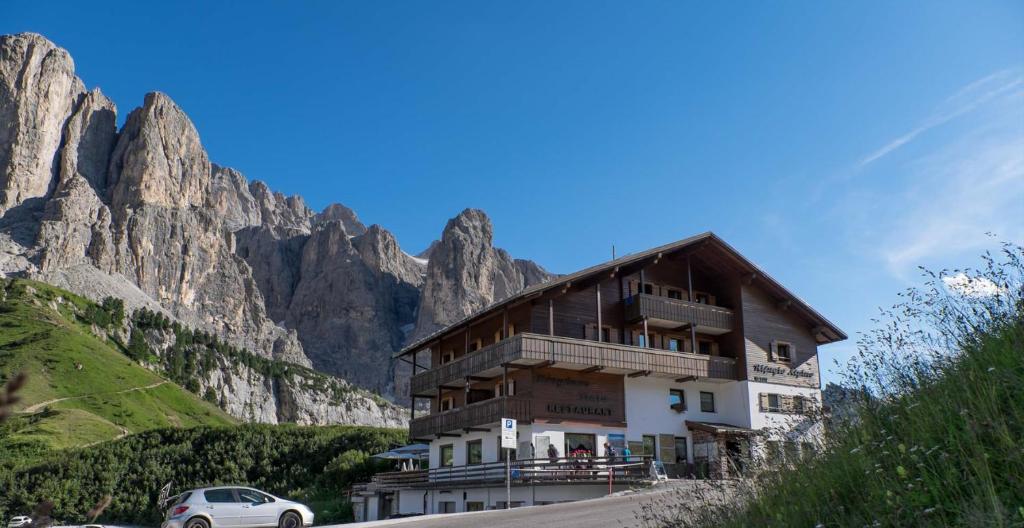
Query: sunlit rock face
142, 214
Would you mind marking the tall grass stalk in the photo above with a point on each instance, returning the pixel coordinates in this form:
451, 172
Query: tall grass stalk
935, 439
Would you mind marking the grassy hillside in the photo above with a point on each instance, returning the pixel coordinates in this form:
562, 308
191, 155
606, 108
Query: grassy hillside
312, 464
936, 439
81, 388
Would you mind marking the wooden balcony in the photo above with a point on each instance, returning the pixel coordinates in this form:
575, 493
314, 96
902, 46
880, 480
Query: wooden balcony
526, 350
670, 313
481, 414
523, 473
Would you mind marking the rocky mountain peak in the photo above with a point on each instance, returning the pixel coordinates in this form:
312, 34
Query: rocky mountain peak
343, 214
159, 159
38, 91
142, 214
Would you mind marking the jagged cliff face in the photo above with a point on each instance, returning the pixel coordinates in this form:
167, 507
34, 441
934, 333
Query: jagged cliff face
142, 214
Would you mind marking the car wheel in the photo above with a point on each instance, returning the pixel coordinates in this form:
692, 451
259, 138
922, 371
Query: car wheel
290, 520
197, 522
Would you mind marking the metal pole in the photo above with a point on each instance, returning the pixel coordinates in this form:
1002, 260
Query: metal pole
508, 479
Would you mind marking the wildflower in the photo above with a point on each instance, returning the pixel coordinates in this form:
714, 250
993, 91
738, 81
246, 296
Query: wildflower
990, 369
928, 511
855, 450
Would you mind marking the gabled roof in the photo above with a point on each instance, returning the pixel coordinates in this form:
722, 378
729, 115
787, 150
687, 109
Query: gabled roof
562, 281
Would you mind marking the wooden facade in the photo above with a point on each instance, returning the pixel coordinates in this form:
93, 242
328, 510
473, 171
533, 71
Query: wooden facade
691, 310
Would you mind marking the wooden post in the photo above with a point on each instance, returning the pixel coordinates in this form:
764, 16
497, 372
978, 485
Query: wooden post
689, 280
412, 406
647, 338
504, 323
551, 317
622, 301
600, 337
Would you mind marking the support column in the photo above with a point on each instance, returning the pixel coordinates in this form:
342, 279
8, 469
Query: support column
412, 397
600, 337
504, 323
551, 317
647, 337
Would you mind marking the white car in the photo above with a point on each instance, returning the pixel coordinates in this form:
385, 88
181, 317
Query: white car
235, 507
19, 521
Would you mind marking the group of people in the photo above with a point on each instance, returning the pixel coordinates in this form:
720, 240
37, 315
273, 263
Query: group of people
581, 451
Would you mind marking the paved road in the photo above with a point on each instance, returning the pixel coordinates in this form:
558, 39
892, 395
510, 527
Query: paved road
607, 512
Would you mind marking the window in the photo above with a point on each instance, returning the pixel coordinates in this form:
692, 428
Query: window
677, 400
446, 507
681, 450
252, 496
474, 452
774, 405
704, 347
650, 445
783, 351
219, 495
606, 334
447, 452
497, 336
675, 294
675, 344
499, 389
447, 357
649, 289
799, 405
707, 402
702, 298
447, 404
641, 341
475, 345
580, 444
474, 506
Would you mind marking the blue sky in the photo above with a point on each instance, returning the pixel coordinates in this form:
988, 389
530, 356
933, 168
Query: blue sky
838, 145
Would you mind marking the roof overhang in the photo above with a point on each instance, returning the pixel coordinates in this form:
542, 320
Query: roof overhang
824, 330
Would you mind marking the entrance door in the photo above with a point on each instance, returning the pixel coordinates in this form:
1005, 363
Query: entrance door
734, 450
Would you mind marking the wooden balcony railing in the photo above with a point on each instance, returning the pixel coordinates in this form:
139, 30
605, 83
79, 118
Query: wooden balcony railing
485, 413
619, 470
700, 314
534, 348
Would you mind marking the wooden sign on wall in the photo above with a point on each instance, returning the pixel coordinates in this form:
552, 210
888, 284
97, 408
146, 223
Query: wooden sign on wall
567, 395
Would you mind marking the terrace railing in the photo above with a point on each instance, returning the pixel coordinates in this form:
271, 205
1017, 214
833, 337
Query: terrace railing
534, 348
590, 470
679, 311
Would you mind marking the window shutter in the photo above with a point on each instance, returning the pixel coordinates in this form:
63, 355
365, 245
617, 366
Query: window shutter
763, 397
771, 351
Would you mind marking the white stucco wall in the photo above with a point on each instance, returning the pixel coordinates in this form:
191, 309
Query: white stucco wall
648, 413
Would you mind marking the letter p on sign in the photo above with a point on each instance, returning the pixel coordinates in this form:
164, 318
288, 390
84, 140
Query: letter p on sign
508, 433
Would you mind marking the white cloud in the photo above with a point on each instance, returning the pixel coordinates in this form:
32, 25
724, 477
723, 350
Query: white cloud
971, 286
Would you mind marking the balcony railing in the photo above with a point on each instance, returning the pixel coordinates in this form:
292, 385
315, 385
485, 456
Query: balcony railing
527, 349
618, 470
487, 412
683, 312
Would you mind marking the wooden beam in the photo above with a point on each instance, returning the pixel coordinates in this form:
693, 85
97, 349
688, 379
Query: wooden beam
565, 287
599, 324
449, 435
479, 378
684, 379
748, 279
595, 368
551, 317
614, 272
656, 259
515, 366
639, 373
542, 364
451, 387
785, 304
475, 429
